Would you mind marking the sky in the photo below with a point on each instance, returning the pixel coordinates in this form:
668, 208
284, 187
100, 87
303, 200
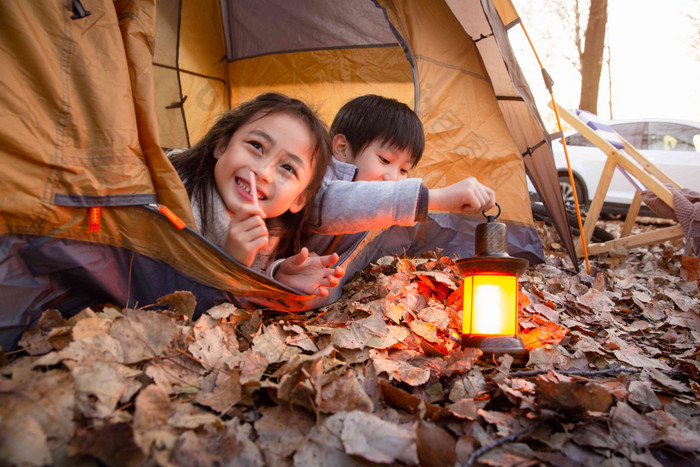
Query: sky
654, 66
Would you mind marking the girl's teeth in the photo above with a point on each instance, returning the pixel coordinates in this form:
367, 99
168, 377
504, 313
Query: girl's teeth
246, 188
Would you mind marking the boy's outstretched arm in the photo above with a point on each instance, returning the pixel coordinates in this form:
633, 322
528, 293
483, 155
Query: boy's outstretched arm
310, 273
468, 196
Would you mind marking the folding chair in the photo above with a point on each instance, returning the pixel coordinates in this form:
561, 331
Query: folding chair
637, 169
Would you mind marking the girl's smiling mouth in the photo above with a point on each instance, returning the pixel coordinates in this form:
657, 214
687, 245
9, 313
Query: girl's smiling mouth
244, 188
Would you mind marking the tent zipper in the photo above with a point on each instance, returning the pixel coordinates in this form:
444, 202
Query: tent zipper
170, 215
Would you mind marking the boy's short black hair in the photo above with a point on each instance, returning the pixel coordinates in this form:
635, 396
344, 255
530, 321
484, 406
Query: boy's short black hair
376, 118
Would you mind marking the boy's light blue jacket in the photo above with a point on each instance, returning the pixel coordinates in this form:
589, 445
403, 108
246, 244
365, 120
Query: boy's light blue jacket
344, 206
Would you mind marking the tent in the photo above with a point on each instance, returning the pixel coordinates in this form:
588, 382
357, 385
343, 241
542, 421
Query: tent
91, 211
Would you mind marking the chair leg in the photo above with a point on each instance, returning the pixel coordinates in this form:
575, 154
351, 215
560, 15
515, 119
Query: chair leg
632, 214
597, 202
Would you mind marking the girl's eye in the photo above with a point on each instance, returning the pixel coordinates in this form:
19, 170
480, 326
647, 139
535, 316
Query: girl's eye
383, 160
289, 168
404, 172
256, 145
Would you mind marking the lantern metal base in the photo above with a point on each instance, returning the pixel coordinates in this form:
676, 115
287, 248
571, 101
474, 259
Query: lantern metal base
494, 346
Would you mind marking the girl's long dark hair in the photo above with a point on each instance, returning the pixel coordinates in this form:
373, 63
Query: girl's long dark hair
196, 165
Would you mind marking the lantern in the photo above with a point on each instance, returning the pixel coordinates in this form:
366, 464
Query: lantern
490, 316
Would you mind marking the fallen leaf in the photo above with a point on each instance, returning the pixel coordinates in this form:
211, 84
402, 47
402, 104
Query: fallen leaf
435, 446
572, 398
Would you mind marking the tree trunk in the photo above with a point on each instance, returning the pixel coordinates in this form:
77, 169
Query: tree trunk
592, 59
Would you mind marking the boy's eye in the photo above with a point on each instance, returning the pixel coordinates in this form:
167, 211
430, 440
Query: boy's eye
383, 160
404, 172
256, 145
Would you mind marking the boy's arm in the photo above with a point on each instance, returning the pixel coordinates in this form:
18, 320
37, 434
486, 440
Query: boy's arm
468, 196
347, 207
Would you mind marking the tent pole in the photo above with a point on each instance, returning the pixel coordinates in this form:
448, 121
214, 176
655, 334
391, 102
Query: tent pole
548, 82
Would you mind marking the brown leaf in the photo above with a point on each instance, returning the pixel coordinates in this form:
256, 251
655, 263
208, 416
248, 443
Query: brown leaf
213, 347
359, 332
36, 418
281, 430
592, 434
189, 416
400, 399
572, 398
425, 330
464, 408
642, 394
98, 388
435, 446
100, 347
182, 302
676, 433
36, 341
252, 367
271, 344
111, 444
345, 394
509, 454
460, 360
151, 420
300, 339
144, 334
226, 393
89, 327
596, 301
635, 358
376, 440
691, 268
23, 441
400, 370
629, 427
227, 444
395, 335
225, 310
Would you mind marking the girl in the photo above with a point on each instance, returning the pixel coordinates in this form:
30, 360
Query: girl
275, 148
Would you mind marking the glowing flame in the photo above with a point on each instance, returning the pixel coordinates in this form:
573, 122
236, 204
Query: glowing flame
490, 305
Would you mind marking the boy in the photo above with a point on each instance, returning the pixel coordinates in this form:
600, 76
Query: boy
376, 140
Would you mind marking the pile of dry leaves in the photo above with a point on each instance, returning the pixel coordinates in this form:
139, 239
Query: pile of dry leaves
374, 378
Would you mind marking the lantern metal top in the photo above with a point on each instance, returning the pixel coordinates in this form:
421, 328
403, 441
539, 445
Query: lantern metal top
491, 250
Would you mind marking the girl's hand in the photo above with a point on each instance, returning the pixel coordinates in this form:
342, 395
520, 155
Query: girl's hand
310, 273
247, 234
468, 196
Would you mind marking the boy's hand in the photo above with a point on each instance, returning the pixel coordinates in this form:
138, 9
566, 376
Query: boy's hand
247, 234
468, 196
309, 272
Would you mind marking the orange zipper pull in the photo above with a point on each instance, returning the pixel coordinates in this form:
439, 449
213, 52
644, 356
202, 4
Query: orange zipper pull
172, 217
94, 220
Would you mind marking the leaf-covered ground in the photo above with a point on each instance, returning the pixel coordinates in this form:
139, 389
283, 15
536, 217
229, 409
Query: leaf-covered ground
612, 376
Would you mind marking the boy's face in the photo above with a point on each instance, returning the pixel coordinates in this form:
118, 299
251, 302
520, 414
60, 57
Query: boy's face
378, 162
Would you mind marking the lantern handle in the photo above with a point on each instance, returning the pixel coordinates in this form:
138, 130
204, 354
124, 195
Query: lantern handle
492, 218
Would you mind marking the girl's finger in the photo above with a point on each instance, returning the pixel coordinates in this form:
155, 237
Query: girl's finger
248, 210
300, 257
329, 259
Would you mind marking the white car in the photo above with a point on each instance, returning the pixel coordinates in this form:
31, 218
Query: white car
671, 145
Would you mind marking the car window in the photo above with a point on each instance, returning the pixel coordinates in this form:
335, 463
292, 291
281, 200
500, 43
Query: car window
577, 140
632, 132
668, 136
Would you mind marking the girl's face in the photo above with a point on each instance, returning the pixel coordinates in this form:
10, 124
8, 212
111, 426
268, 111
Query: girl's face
379, 162
278, 149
